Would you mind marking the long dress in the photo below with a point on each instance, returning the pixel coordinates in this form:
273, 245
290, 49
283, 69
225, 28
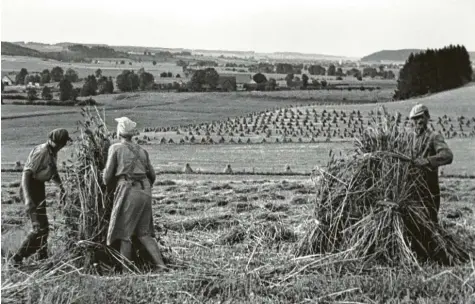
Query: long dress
128, 165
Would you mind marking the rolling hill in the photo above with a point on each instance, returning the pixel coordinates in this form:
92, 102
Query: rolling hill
16, 50
397, 55
70, 52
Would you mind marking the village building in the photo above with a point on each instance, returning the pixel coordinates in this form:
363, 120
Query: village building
241, 79
7, 80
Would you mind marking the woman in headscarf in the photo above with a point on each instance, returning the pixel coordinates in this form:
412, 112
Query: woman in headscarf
129, 169
40, 167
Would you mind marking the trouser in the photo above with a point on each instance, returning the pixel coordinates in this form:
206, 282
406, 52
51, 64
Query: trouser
37, 239
422, 232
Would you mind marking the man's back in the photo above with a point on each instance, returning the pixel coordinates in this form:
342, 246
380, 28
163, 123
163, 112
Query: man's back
130, 158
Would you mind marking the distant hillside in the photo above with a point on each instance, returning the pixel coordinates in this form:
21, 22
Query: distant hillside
16, 50
68, 52
390, 55
398, 55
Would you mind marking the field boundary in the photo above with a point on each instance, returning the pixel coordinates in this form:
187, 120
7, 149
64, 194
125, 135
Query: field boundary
180, 172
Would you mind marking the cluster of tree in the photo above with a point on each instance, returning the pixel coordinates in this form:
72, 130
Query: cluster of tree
333, 71
316, 70
96, 51
182, 63
169, 86
169, 75
56, 74
201, 78
93, 85
46, 94
167, 54
262, 67
234, 65
67, 91
373, 72
146, 80
287, 68
434, 71
129, 81
262, 83
208, 63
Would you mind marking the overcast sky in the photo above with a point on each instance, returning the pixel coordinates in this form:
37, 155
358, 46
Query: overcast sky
334, 27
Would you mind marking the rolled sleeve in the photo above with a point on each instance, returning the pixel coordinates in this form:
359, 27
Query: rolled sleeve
443, 154
150, 171
111, 164
37, 161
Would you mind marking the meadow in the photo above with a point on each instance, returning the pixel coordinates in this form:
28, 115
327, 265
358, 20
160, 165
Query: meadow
107, 66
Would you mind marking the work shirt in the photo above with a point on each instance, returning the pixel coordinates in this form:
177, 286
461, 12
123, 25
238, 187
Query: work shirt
42, 163
432, 146
127, 159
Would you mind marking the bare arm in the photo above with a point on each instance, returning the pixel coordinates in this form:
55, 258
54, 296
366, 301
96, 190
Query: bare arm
111, 165
150, 171
443, 156
26, 184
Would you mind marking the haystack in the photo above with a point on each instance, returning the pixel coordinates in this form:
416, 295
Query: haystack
187, 169
370, 204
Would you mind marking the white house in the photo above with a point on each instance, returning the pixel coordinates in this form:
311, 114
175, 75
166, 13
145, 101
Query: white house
6, 80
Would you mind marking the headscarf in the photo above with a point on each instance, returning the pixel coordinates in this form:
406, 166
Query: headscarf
125, 126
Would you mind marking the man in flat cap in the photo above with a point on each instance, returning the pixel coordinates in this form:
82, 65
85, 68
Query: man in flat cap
40, 167
430, 152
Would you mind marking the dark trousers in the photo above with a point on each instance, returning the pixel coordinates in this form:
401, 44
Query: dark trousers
422, 232
37, 239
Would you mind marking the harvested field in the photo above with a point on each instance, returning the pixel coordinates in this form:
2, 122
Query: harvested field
221, 254
232, 237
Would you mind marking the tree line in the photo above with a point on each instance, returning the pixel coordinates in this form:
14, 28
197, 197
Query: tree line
434, 70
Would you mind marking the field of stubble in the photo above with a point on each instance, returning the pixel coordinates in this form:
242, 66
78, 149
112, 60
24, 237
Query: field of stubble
231, 240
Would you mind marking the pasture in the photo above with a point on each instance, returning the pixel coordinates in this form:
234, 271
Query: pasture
108, 66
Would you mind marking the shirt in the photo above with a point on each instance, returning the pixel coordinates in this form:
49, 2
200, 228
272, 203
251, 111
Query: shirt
432, 146
121, 160
42, 163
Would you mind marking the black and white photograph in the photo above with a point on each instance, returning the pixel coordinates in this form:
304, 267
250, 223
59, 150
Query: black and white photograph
237, 151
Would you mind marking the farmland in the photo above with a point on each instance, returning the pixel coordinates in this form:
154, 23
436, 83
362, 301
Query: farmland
157, 112
214, 263
150, 110
108, 66
232, 237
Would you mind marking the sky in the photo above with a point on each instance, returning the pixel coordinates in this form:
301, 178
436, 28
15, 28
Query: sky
353, 28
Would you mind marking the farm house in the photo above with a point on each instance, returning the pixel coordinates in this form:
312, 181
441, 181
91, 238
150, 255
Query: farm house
6, 79
241, 79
